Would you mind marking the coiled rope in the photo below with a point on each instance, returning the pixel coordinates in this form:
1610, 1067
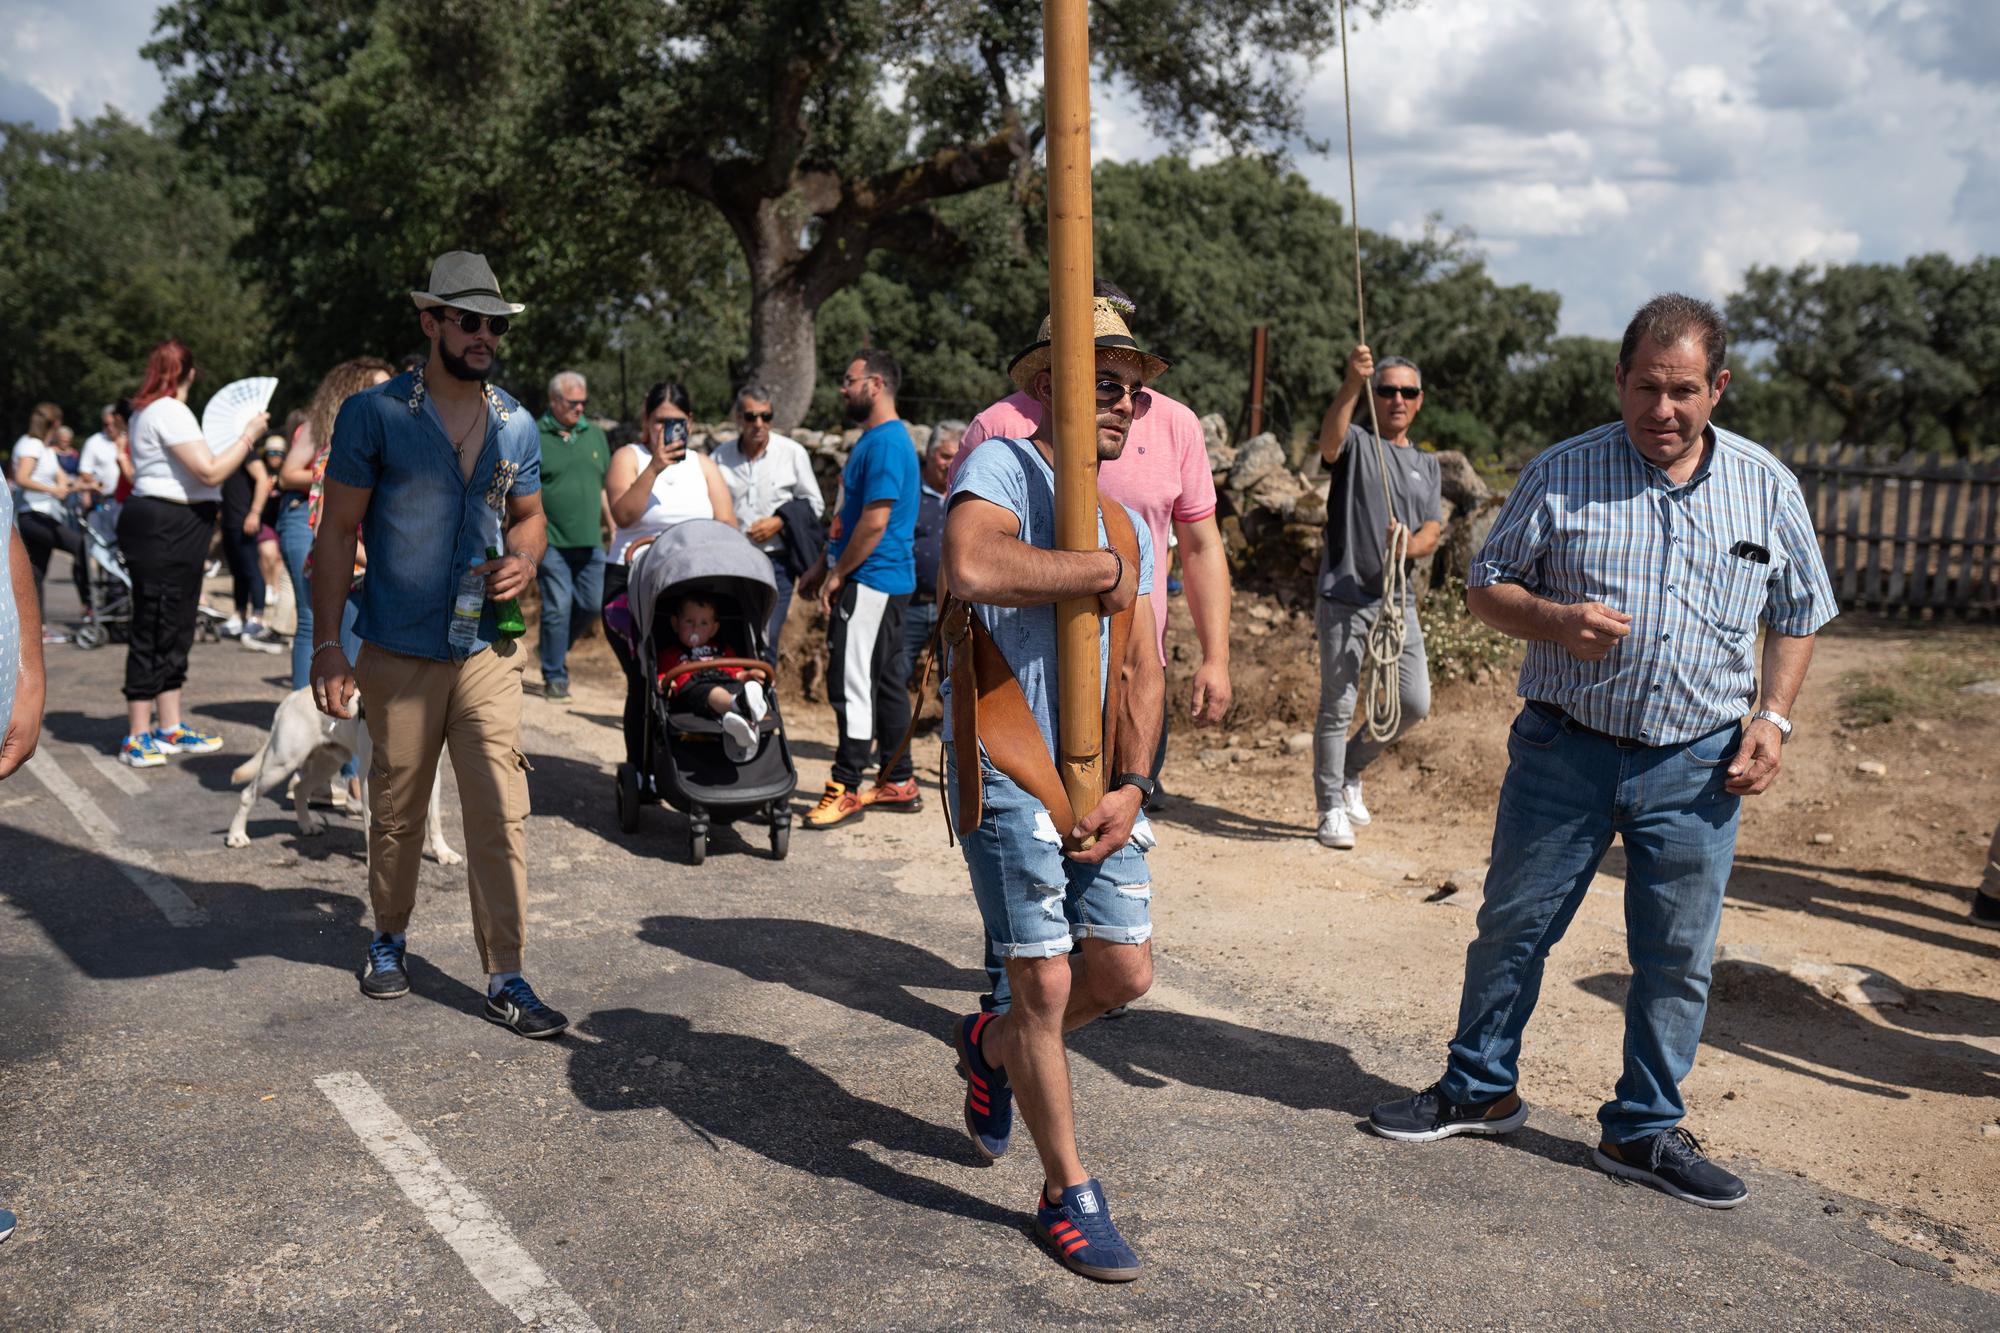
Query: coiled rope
1382, 647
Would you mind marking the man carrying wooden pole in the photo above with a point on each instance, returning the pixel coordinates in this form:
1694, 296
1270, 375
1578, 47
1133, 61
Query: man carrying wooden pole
1052, 657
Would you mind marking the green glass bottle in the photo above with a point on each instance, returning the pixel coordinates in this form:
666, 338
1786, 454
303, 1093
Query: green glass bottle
507, 622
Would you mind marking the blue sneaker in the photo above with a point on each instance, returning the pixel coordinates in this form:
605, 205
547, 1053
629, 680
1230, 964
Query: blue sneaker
140, 751
1080, 1231
184, 739
382, 976
1173, 585
6, 1224
989, 1099
519, 1009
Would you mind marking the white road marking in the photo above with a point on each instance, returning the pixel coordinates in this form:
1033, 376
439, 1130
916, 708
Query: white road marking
134, 864
457, 1212
113, 772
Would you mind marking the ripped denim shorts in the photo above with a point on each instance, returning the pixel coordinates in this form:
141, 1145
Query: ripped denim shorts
1034, 900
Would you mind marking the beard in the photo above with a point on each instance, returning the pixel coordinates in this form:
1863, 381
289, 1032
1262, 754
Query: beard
459, 369
855, 412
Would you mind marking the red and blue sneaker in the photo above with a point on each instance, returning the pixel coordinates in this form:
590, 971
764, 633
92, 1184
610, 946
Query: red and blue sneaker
989, 1100
1080, 1231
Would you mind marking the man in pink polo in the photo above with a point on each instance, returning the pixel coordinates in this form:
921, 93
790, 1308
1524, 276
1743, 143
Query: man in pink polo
1163, 477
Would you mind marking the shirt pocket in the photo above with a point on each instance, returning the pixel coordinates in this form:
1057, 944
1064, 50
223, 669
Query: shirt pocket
1738, 594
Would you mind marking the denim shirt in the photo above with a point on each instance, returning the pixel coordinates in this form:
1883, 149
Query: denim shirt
425, 524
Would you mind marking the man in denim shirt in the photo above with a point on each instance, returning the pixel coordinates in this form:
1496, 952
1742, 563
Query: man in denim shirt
441, 467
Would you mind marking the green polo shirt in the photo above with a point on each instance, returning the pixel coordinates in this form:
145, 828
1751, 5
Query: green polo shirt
573, 471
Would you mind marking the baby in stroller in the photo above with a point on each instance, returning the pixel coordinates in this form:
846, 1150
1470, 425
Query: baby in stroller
727, 694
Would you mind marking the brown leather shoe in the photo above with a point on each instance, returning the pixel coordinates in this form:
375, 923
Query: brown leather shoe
903, 797
837, 805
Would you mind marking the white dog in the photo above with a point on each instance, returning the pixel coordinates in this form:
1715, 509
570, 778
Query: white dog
307, 741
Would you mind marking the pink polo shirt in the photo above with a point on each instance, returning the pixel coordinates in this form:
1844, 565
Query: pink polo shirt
1162, 476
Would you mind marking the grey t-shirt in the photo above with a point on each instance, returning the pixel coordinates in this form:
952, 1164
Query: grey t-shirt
1013, 475
1350, 570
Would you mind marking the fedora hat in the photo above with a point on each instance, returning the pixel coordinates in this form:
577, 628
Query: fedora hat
464, 281
1108, 327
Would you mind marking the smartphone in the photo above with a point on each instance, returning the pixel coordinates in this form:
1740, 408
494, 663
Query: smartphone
674, 434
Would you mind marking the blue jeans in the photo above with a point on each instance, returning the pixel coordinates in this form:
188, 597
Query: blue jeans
1566, 792
572, 582
918, 619
295, 539
779, 609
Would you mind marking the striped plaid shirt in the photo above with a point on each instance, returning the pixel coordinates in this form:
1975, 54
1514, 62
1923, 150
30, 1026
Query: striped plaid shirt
1592, 521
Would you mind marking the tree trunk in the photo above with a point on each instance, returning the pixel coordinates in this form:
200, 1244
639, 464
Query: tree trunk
784, 345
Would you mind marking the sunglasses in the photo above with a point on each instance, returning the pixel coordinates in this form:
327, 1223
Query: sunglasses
471, 322
758, 416
1110, 391
1409, 393
568, 402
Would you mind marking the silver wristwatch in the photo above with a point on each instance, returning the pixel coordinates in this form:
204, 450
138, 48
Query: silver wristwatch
1776, 719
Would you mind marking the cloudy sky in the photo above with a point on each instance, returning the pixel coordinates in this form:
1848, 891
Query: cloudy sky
1606, 149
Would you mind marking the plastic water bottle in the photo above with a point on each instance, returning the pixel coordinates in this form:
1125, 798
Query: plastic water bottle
507, 621
465, 611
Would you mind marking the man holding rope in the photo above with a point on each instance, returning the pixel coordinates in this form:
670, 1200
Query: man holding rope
1382, 489
1636, 560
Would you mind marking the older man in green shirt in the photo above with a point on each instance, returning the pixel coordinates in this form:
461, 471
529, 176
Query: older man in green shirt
575, 457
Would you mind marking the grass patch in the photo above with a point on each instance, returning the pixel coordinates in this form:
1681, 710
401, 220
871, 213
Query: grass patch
1924, 680
1458, 644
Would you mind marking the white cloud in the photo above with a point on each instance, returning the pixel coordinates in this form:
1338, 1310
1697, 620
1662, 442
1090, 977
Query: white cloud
83, 57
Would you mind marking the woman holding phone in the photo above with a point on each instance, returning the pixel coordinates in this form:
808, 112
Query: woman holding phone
651, 486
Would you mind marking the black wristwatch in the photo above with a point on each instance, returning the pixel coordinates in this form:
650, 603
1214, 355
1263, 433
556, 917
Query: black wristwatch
1148, 789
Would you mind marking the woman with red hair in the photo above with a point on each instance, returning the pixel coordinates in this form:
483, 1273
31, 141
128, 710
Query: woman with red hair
164, 531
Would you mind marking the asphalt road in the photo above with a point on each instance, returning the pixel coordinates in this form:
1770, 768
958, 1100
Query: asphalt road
754, 1123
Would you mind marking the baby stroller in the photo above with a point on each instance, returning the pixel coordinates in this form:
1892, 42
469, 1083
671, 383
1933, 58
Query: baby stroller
684, 751
110, 583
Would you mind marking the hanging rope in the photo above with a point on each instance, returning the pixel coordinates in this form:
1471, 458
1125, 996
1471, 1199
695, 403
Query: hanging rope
1382, 648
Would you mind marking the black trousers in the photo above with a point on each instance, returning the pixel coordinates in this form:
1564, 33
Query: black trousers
165, 544
44, 536
615, 577
866, 672
240, 553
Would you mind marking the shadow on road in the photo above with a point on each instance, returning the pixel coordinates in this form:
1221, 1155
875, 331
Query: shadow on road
875, 975
103, 924
758, 1094
1220, 823
1773, 1018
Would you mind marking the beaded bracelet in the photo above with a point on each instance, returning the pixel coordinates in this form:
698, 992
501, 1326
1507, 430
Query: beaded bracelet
320, 648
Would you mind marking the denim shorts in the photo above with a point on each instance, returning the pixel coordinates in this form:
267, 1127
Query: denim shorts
1035, 901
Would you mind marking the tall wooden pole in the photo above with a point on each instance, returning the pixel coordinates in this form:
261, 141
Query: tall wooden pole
1257, 381
1073, 353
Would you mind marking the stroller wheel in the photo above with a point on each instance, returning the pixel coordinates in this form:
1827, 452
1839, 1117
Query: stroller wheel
781, 839
90, 634
628, 798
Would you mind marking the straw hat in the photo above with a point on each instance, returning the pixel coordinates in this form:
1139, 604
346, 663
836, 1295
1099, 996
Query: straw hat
464, 281
1108, 326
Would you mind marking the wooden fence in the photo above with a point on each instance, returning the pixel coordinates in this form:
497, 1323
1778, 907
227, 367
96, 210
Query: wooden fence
1915, 533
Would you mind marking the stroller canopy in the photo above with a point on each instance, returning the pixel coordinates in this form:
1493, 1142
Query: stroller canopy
707, 552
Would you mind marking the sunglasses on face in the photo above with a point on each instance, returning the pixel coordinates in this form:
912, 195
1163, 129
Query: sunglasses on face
758, 416
1110, 391
571, 402
1409, 393
471, 322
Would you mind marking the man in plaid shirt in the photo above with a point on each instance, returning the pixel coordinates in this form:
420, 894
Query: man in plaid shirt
1636, 560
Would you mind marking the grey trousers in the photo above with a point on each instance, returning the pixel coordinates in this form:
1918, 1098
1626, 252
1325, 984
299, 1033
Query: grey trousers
1343, 630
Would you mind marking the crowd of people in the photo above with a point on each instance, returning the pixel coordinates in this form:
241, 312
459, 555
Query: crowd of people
1638, 562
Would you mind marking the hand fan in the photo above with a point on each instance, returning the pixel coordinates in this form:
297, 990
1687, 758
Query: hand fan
230, 410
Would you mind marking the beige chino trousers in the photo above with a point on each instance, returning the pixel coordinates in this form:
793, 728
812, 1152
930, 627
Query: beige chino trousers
415, 707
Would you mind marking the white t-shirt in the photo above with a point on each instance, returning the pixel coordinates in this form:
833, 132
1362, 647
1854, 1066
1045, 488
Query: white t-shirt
47, 470
157, 474
100, 460
679, 494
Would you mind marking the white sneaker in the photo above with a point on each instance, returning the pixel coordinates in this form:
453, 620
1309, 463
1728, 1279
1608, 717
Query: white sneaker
230, 628
753, 695
741, 742
1350, 797
1335, 831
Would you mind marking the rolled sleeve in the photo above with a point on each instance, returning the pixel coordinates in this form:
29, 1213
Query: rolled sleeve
1801, 598
528, 477
355, 457
1520, 537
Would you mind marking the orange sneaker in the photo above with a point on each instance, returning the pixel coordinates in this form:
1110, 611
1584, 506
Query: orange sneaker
903, 797
836, 805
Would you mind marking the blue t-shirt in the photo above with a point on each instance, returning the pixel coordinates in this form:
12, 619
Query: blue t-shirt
883, 466
1013, 475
